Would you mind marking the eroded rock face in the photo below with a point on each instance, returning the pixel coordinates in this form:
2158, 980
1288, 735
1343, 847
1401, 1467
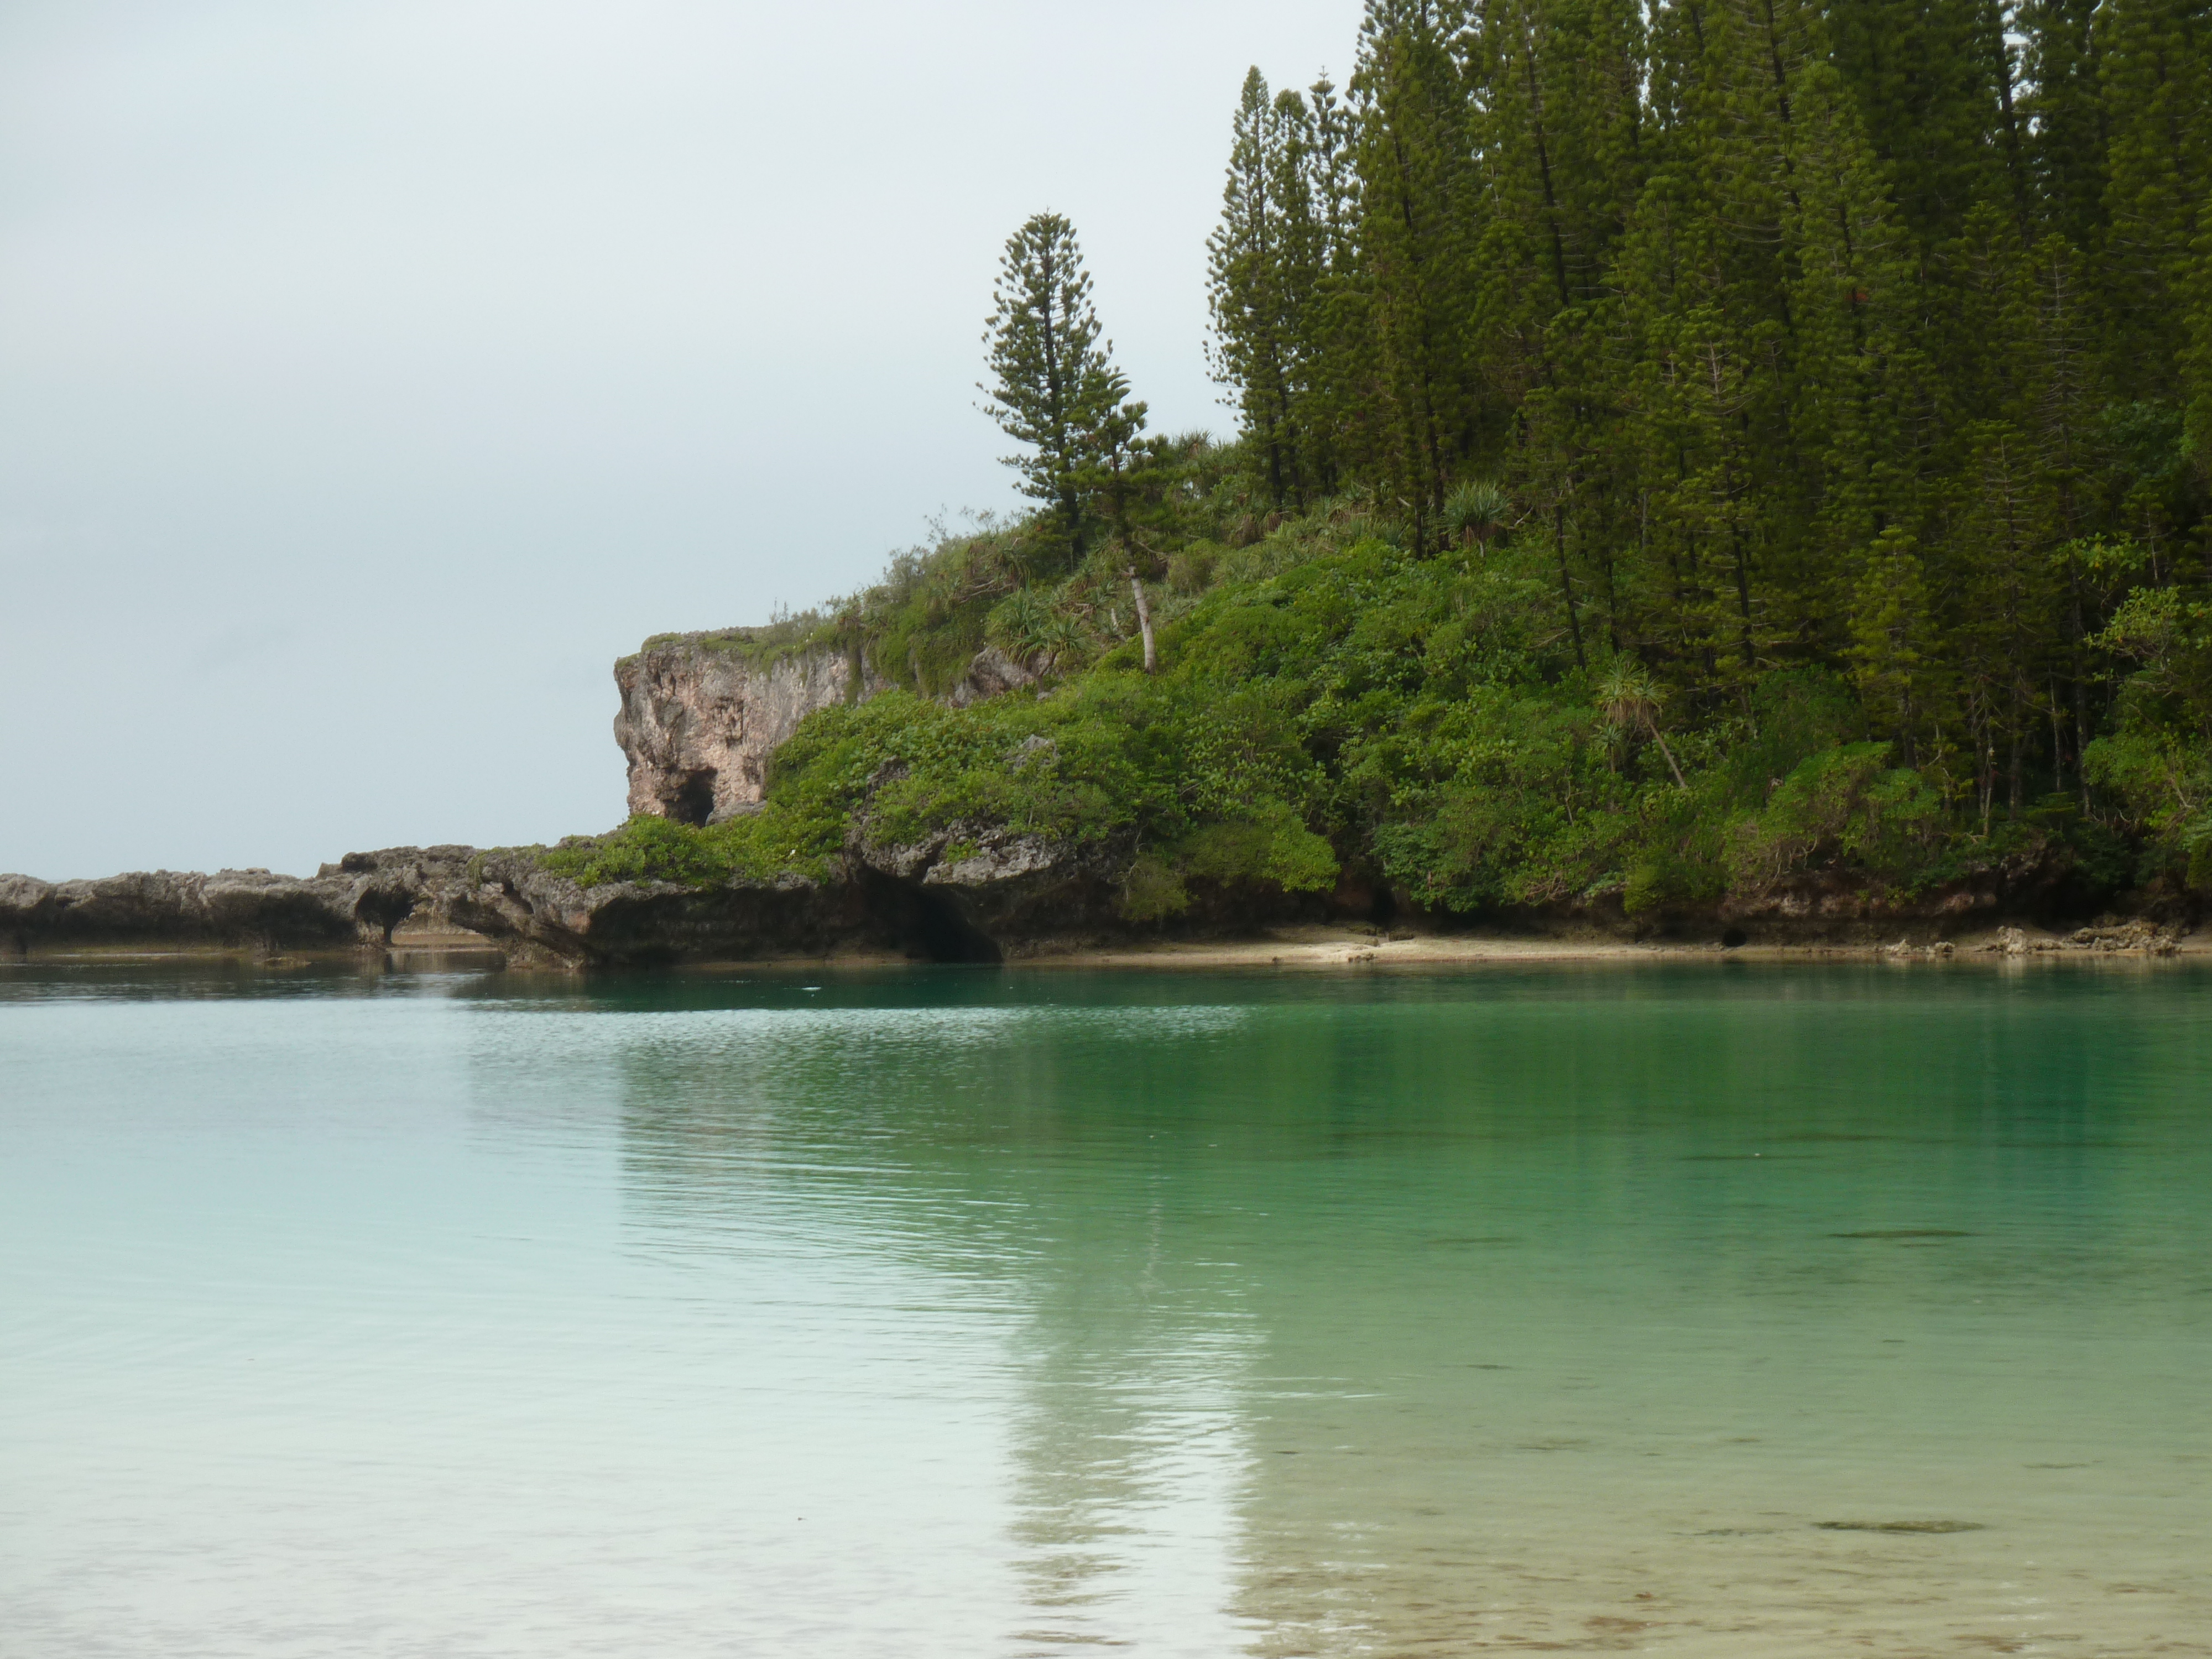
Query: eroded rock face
701, 712
990, 673
994, 887
357, 901
446, 896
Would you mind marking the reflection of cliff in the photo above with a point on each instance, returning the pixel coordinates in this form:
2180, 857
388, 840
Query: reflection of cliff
1405, 1315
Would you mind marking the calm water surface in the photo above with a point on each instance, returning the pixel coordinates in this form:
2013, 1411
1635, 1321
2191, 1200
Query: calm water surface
1727, 1309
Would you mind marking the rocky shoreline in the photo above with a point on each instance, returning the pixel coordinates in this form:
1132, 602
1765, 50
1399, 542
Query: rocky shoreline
1002, 897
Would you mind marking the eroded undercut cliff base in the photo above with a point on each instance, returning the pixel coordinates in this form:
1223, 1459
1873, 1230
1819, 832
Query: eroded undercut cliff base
1003, 898
901, 903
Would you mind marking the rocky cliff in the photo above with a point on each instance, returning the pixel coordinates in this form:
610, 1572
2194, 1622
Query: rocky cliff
701, 712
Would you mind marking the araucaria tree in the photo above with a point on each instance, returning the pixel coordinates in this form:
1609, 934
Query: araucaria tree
1265, 267
1055, 387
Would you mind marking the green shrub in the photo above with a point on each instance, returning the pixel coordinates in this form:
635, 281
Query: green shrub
1844, 805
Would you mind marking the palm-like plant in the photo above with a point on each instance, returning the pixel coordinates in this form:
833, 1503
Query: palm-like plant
1066, 642
1477, 511
1629, 698
1018, 623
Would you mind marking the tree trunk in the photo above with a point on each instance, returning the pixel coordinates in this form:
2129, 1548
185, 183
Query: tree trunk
1144, 622
2012, 770
1653, 728
1567, 585
2076, 634
2058, 744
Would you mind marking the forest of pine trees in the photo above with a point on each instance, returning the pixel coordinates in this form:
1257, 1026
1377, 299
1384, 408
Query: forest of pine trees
1683, 451
1875, 334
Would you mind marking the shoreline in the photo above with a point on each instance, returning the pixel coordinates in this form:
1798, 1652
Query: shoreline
1308, 947
1321, 947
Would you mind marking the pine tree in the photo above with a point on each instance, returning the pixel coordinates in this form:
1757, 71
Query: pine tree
1852, 297
1933, 84
1336, 338
2156, 72
1725, 496
2062, 104
1416, 236
1055, 387
1264, 267
1893, 648
1556, 120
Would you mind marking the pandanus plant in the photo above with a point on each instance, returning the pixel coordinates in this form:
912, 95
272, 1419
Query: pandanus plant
1476, 512
1629, 698
1066, 643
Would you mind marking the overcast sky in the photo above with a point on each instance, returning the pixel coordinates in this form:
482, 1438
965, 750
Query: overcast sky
372, 374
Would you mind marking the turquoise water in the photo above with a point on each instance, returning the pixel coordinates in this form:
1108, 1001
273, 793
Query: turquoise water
997, 1313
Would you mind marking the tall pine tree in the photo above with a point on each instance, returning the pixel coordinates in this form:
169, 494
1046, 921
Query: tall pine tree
1055, 387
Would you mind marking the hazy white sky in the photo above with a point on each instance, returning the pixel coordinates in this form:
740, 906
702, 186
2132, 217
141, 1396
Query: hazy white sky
372, 374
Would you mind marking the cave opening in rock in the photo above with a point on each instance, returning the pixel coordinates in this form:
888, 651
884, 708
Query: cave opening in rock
384, 910
694, 799
945, 935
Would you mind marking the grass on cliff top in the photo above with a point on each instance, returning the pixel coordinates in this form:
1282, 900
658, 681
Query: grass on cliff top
1418, 720
761, 647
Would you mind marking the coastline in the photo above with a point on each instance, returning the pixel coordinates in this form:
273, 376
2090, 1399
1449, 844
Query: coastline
1309, 947
1325, 947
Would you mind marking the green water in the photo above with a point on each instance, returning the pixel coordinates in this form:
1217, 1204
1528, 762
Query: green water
998, 1313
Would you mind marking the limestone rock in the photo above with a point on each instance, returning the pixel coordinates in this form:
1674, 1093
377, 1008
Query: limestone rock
438, 897
701, 712
976, 890
550, 919
992, 673
355, 902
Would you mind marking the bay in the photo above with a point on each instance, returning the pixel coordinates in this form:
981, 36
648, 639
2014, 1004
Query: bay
1711, 1309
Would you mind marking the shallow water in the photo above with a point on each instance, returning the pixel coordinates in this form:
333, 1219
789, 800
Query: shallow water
1724, 1309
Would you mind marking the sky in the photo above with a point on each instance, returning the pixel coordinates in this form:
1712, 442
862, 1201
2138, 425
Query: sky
372, 376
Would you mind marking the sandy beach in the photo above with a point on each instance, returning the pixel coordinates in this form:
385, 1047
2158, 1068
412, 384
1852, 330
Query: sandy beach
1356, 947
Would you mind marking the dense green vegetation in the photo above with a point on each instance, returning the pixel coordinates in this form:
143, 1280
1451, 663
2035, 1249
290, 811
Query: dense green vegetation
1682, 449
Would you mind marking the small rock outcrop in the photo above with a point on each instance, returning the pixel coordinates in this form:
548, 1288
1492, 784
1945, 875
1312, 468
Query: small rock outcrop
949, 900
701, 712
360, 900
991, 672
